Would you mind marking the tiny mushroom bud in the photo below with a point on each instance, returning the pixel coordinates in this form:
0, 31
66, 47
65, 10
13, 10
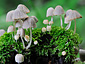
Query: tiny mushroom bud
51, 22
2, 31
16, 37
19, 58
46, 22
48, 28
26, 38
63, 53
10, 29
43, 29
59, 11
35, 42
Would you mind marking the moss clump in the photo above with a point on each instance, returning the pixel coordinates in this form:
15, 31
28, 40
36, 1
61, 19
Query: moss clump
55, 42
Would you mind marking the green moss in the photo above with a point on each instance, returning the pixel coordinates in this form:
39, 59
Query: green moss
55, 40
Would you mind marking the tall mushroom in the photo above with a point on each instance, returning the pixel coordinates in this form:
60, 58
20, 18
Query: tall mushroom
66, 19
50, 13
59, 11
29, 23
23, 8
73, 16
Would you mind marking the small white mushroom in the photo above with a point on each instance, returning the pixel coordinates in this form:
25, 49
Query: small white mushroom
49, 28
35, 42
63, 53
46, 22
50, 13
23, 8
43, 29
51, 22
19, 58
59, 11
16, 37
10, 29
26, 38
2, 31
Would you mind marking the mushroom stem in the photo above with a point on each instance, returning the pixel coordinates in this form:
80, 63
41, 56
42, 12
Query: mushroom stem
75, 27
23, 42
61, 21
14, 27
51, 18
30, 39
68, 26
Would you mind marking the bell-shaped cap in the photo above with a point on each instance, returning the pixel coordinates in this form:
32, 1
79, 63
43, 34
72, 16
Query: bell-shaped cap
36, 20
74, 15
49, 12
10, 29
23, 8
2, 31
22, 32
45, 22
30, 22
18, 15
68, 12
19, 58
9, 16
48, 28
26, 38
18, 24
58, 10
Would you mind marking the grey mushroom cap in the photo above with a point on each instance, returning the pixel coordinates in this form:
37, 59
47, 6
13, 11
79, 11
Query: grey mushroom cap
49, 12
35, 18
58, 10
68, 12
18, 15
18, 24
9, 16
10, 29
23, 8
2, 31
30, 22
74, 15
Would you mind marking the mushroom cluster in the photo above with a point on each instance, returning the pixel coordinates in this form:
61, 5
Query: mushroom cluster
69, 16
21, 21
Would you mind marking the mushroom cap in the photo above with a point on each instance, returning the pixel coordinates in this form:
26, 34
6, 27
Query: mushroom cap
18, 15
43, 29
26, 38
74, 15
51, 22
30, 22
9, 16
19, 58
2, 31
68, 12
58, 10
49, 12
46, 22
10, 29
22, 32
23, 8
48, 28
66, 20
18, 24
16, 37
35, 18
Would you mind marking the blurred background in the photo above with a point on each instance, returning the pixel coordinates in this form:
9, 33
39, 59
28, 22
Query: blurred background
38, 8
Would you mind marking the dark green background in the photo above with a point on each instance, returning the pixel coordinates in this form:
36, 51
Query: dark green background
38, 8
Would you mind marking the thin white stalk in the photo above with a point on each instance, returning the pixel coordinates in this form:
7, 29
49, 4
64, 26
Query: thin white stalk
51, 18
61, 21
23, 42
30, 39
14, 23
68, 26
75, 27
16, 40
